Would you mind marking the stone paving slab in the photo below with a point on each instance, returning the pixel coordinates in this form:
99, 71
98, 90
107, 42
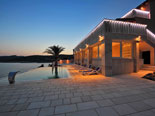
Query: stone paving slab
8, 114
56, 102
105, 102
95, 95
124, 109
42, 104
140, 106
83, 113
65, 109
46, 111
28, 112
19, 107
107, 111
87, 105
144, 113
150, 102
21, 100
76, 100
66, 101
6, 108
35, 99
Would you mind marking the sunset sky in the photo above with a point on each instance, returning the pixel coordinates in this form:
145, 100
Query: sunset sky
28, 27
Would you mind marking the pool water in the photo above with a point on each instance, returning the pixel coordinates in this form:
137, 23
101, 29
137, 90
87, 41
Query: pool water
40, 74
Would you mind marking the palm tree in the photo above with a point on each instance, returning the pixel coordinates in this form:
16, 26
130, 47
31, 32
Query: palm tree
55, 52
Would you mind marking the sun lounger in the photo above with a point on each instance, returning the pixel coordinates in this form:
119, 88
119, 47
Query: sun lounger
92, 72
85, 68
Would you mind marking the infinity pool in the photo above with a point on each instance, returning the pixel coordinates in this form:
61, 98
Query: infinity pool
40, 74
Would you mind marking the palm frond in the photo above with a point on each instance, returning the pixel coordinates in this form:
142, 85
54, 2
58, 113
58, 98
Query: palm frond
54, 50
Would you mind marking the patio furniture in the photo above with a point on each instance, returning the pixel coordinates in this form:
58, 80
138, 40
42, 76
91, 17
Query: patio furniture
85, 68
92, 72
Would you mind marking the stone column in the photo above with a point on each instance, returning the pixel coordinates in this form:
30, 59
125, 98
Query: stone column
74, 57
78, 57
87, 63
98, 52
82, 57
89, 56
136, 56
107, 57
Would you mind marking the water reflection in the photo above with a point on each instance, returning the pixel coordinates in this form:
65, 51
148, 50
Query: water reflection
56, 76
41, 74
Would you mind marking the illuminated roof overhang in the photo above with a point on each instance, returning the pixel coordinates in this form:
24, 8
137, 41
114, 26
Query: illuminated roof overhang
150, 36
112, 26
137, 13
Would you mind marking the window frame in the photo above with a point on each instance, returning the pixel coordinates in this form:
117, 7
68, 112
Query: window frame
121, 55
131, 49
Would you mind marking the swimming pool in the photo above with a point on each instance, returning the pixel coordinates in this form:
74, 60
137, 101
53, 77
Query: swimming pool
40, 74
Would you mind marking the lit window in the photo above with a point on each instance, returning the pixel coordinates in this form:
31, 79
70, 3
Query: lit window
101, 48
95, 52
126, 50
115, 49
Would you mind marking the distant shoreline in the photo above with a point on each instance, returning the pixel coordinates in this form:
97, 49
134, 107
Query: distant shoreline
25, 62
32, 59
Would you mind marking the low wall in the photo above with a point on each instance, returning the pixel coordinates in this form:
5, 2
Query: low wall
141, 63
122, 66
96, 62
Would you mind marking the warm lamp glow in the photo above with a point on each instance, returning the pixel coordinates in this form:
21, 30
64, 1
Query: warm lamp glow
87, 45
67, 61
138, 39
142, 8
60, 62
101, 38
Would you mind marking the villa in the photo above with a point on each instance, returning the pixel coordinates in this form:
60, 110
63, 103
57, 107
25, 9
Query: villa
122, 45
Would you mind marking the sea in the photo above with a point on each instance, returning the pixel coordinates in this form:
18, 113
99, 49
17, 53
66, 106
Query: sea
5, 68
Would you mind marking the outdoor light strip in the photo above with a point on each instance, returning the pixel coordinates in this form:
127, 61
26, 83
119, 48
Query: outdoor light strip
118, 27
124, 27
150, 36
137, 13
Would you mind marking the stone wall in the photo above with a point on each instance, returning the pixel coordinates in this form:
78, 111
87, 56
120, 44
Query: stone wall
122, 66
141, 63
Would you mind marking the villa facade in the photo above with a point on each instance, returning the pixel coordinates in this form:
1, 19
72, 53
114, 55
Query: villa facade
123, 45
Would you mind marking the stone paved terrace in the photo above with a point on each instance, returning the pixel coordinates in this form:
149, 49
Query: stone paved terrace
123, 95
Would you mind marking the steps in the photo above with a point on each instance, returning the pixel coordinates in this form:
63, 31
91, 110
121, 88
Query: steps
148, 67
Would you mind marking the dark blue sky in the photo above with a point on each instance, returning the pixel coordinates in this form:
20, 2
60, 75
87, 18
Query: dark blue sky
30, 26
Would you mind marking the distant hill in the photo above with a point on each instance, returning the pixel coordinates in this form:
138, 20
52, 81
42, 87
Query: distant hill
33, 58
